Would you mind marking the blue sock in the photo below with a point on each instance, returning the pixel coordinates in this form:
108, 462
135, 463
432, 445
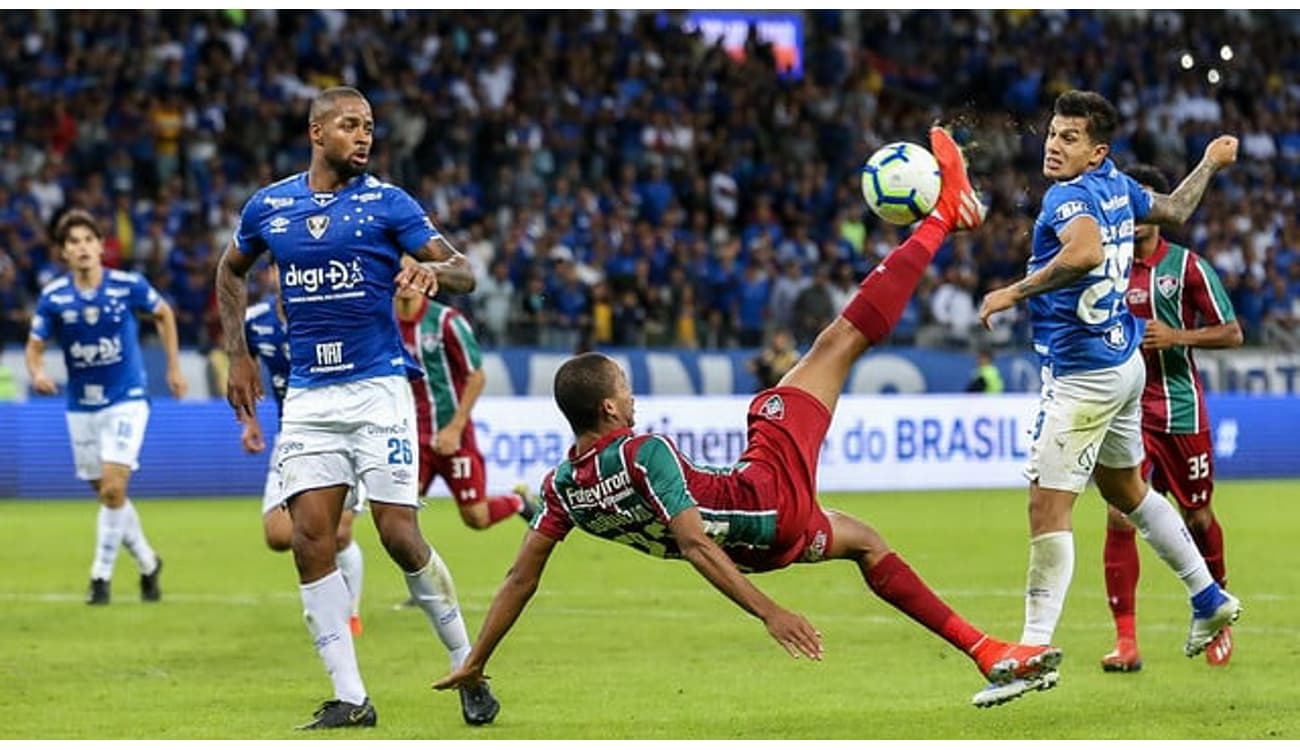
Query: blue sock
1207, 600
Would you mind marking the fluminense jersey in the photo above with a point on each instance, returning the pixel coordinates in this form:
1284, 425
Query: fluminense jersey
1180, 289
445, 345
338, 254
1087, 326
267, 337
99, 336
627, 487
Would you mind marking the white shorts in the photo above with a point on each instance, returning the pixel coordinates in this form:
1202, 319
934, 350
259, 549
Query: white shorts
1086, 419
355, 501
350, 433
111, 435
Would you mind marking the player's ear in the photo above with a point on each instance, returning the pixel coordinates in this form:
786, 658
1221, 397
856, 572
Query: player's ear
316, 133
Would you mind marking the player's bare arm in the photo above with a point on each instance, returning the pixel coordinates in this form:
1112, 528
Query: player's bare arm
1159, 336
520, 585
164, 319
1177, 207
447, 440
35, 354
447, 263
1080, 253
791, 630
244, 386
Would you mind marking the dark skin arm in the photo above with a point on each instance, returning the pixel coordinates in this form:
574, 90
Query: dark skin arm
789, 629
243, 386
1159, 336
520, 585
440, 258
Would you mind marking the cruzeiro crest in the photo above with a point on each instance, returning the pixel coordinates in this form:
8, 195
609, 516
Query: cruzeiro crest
316, 225
91, 314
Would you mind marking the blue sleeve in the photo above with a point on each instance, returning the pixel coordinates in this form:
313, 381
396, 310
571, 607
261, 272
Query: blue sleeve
1065, 203
43, 318
1139, 198
410, 225
248, 236
143, 295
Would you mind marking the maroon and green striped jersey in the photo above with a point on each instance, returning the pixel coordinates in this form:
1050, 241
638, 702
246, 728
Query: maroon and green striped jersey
443, 343
627, 487
1180, 289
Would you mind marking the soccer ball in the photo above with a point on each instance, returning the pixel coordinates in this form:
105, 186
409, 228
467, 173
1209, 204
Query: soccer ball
900, 182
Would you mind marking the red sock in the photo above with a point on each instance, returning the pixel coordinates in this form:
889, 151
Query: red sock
1210, 543
898, 584
503, 506
1122, 567
883, 295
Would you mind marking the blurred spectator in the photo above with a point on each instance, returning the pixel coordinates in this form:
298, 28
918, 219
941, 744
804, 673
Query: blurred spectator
774, 361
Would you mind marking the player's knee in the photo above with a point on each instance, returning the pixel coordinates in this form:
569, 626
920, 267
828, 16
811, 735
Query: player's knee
112, 494
279, 541
1199, 519
475, 516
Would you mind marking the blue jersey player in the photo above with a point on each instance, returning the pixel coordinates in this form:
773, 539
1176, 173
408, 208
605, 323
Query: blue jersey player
268, 343
338, 236
91, 313
1089, 422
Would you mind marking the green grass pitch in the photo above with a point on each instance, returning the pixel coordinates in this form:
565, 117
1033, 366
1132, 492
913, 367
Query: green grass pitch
618, 645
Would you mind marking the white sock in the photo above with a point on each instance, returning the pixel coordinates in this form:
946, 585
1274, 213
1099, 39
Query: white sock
433, 590
325, 609
352, 566
1162, 528
1051, 566
110, 528
136, 543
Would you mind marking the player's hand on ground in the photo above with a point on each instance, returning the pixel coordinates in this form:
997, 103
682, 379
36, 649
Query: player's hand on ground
419, 278
1222, 151
447, 441
176, 382
796, 634
243, 387
995, 302
463, 676
252, 438
1158, 336
42, 383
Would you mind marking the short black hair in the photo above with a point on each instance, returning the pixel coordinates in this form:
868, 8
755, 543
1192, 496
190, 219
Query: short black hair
324, 102
73, 218
1149, 176
581, 384
1100, 113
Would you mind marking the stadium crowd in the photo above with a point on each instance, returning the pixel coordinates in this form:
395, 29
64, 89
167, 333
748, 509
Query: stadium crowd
617, 180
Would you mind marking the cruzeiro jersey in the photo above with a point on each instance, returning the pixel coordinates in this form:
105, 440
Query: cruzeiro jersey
99, 335
627, 488
1087, 326
268, 339
446, 348
1180, 289
338, 254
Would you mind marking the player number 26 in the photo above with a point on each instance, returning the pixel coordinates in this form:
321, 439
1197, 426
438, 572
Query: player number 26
399, 451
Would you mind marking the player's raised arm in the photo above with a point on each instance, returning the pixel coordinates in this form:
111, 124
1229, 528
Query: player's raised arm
244, 386
791, 630
1177, 207
520, 585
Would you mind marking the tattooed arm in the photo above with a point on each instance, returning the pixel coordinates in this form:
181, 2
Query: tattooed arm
1177, 207
1080, 253
243, 384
